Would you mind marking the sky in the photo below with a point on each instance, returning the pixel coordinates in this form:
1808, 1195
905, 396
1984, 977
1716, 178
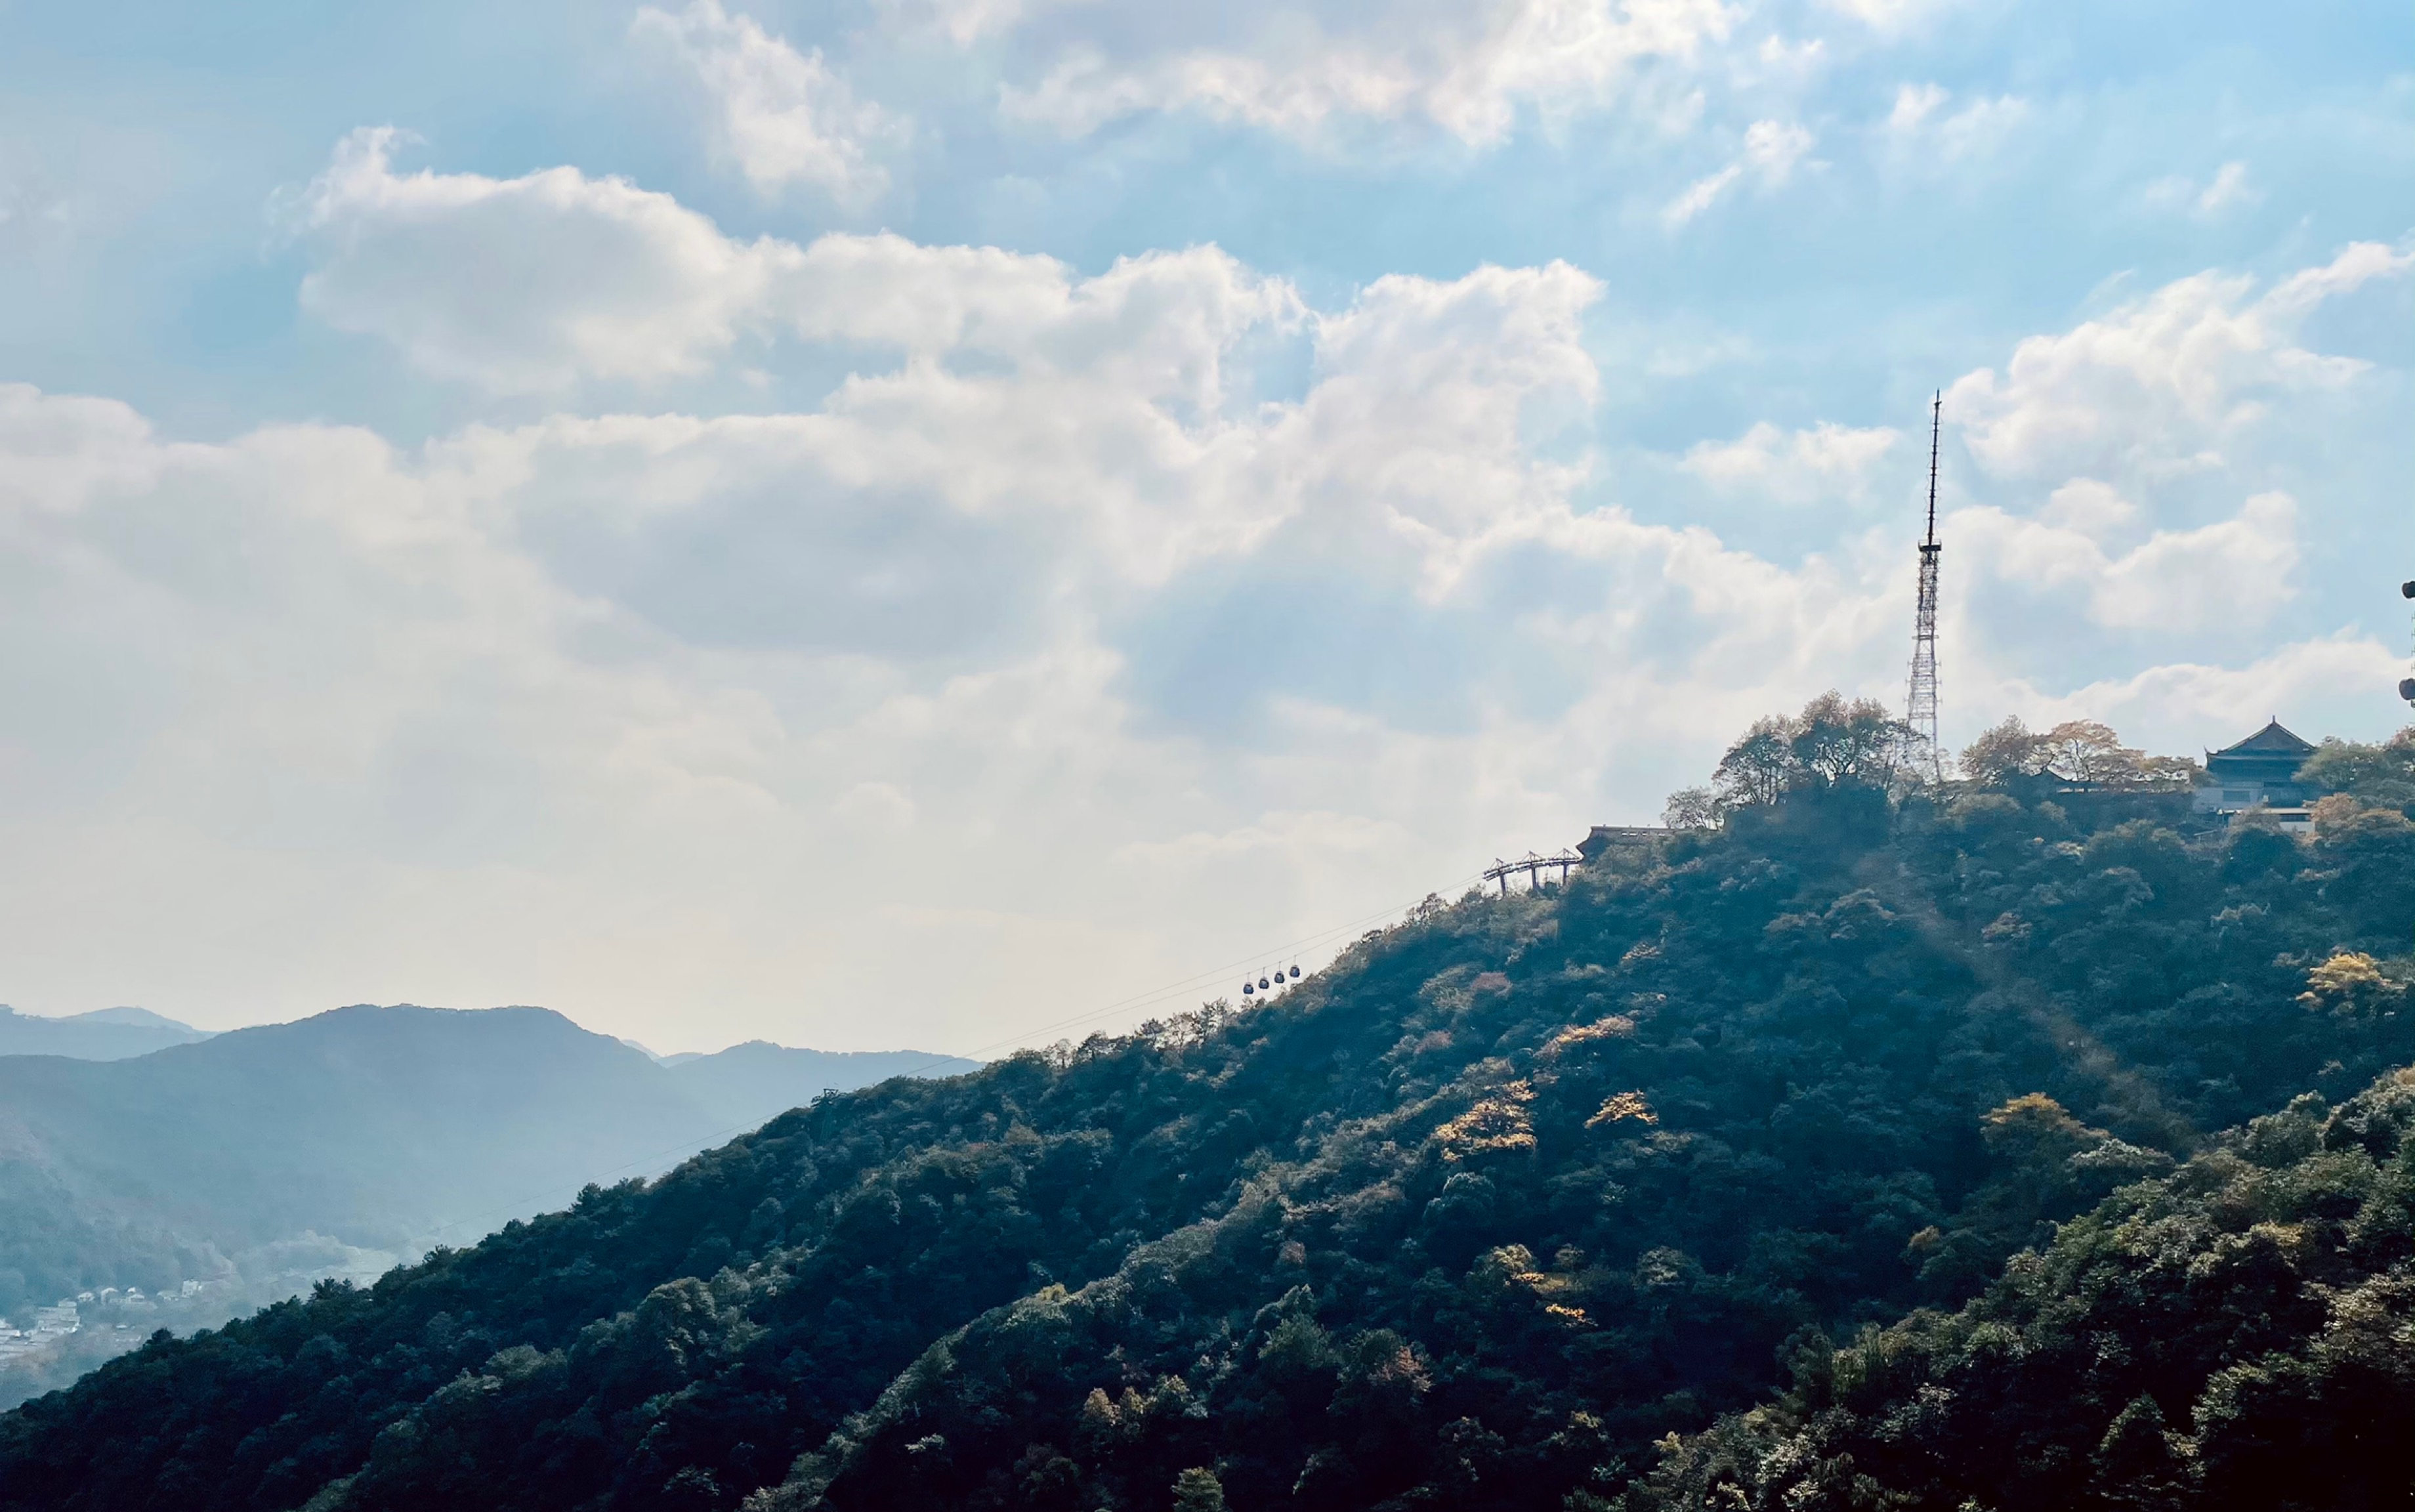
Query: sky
952, 522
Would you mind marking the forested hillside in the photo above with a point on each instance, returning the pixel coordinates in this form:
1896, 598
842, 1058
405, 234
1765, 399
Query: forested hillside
1475, 1219
2238, 1335
253, 1161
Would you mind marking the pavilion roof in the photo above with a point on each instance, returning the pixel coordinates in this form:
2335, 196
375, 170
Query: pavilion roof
2272, 740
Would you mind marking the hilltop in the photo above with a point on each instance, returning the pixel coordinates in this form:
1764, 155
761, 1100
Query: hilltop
1475, 1218
102, 1034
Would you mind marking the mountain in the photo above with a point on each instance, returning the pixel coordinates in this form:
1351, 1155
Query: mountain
748, 1084
375, 1124
1479, 1217
103, 1034
2239, 1334
346, 1141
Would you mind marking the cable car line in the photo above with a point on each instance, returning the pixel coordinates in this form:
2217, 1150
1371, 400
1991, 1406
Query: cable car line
1137, 1000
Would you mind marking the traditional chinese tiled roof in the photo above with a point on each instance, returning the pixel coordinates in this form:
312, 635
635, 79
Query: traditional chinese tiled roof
2272, 740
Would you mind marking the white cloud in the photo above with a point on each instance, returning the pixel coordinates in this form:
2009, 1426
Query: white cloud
1297, 69
783, 117
63, 452
2182, 707
2229, 187
2089, 507
630, 712
1913, 105
527, 283
2161, 384
1772, 149
1887, 16
1793, 466
2231, 573
572, 277
877, 805
1922, 128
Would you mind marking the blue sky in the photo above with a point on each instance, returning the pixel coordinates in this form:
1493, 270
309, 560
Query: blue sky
913, 520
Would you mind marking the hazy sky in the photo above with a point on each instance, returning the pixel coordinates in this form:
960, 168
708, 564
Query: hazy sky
904, 521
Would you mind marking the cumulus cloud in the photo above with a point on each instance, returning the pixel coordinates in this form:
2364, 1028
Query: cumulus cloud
2159, 385
62, 452
1424, 387
525, 284
2090, 506
782, 116
630, 711
536, 282
2183, 707
610, 704
2233, 573
1467, 70
1793, 466
1772, 149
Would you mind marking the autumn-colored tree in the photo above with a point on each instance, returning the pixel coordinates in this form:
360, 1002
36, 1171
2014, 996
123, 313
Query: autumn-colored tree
2004, 752
1197, 1489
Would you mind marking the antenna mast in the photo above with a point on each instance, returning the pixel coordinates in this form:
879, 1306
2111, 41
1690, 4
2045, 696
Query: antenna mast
1920, 701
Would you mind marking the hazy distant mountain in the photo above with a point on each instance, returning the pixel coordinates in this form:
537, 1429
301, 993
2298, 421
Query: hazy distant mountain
750, 1084
376, 1130
379, 1127
103, 1034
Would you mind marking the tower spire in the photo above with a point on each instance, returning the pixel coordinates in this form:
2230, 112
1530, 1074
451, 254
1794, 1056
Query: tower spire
1920, 701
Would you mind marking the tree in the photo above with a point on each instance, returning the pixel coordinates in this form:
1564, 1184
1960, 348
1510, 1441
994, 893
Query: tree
2004, 752
1691, 808
2382, 775
1831, 744
1757, 767
1198, 1491
1838, 744
2085, 751
2180, 773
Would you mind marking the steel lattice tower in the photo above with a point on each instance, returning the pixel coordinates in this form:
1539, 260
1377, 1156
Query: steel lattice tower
1920, 700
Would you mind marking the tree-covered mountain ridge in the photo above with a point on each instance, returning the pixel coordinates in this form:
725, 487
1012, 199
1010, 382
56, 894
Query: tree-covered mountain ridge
231, 1172
2238, 1335
1479, 1217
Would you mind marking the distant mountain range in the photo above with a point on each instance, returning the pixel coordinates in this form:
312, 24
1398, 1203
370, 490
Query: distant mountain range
349, 1140
103, 1034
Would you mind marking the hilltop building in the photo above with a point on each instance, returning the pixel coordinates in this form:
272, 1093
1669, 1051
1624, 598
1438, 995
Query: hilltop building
1625, 837
2259, 773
